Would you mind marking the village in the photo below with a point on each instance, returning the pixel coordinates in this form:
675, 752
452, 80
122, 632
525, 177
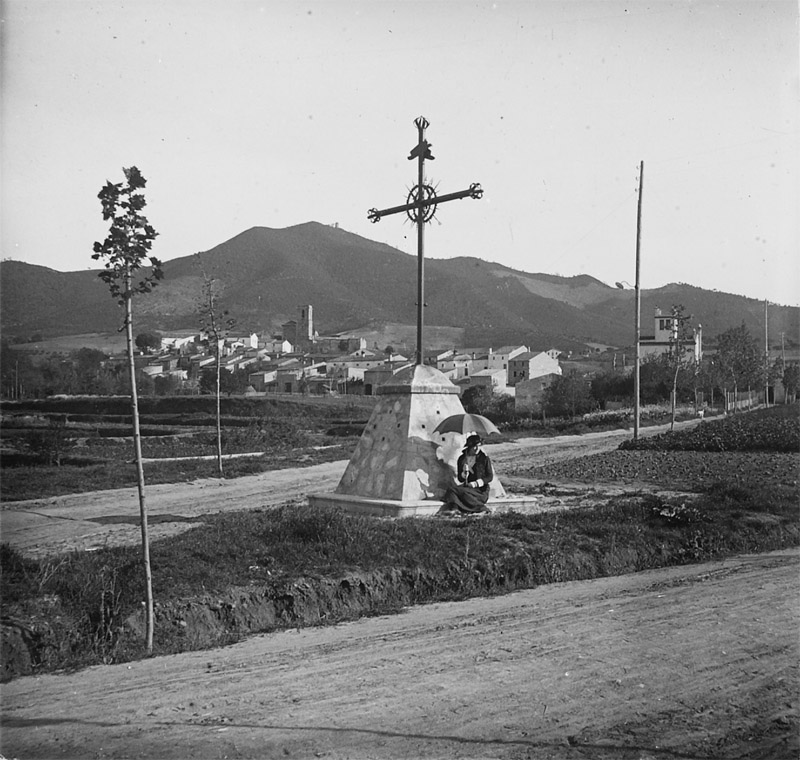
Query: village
299, 360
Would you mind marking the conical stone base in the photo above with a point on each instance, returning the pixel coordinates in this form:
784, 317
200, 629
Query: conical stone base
400, 467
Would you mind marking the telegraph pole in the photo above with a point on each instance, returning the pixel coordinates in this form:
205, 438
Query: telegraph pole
638, 317
766, 352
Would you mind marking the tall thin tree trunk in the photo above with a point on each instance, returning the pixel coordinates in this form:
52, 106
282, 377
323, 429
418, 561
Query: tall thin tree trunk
137, 442
674, 397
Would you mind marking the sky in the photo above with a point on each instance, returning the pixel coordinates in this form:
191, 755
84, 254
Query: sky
245, 113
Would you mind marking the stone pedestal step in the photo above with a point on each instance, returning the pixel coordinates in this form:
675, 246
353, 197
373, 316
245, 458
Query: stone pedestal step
361, 505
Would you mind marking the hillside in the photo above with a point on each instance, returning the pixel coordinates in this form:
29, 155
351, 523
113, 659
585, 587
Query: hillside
38, 299
355, 283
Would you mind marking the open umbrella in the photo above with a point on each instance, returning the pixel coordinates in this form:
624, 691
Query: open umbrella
466, 423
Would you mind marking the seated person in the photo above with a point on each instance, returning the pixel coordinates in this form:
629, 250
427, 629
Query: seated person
474, 472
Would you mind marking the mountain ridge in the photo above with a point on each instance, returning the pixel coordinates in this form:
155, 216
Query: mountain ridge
267, 273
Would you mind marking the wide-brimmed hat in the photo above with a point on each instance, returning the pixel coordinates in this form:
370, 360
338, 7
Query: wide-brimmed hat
473, 440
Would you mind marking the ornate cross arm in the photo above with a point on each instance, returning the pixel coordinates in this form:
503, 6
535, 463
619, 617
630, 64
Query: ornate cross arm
474, 191
420, 206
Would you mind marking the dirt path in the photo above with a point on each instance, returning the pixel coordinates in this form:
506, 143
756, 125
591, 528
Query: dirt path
690, 662
110, 518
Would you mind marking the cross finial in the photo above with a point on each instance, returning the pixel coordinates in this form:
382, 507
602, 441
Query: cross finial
423, 147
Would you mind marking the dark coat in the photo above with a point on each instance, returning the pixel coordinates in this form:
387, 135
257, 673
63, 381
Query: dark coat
482, 470
465, 498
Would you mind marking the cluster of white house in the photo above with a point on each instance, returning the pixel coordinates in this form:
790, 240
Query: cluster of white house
301, 361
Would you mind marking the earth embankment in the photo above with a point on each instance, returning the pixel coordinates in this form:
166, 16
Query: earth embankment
696, 661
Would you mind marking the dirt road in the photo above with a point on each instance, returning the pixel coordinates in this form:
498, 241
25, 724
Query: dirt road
110, 518
690, 662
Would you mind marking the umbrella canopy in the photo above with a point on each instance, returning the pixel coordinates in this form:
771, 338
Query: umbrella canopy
467, 423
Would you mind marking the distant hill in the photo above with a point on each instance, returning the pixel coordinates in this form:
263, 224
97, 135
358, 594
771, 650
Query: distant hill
37, 299
358, 284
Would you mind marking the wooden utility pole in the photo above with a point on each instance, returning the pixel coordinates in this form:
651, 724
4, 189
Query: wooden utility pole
766, 352
638, 317
783, 350
420, 207
783, 367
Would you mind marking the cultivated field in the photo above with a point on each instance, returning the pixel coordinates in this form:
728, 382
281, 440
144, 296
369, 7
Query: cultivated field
69, 445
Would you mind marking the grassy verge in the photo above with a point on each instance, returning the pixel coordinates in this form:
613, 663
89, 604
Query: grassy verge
82, 608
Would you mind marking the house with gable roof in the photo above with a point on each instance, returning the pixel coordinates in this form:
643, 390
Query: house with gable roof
499, 359
489, 378
528, 365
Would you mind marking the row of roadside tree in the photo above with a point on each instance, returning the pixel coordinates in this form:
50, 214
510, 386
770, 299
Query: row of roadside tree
736, 368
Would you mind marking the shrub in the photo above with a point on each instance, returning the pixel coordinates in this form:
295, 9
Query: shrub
568, 396
480, 399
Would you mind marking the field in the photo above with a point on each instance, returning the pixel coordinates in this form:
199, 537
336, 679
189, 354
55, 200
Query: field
71, 445
109, 343
83, 444
678, 506
289, 567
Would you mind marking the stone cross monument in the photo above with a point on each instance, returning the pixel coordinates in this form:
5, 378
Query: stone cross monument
400, 466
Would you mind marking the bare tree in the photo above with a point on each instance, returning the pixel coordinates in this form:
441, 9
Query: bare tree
739, 359
680, 354
217, 324
123, 253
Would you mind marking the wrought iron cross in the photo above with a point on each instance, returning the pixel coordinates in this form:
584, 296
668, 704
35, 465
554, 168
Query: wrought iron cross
420, 206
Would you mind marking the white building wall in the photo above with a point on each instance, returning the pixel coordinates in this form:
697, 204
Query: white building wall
499, 359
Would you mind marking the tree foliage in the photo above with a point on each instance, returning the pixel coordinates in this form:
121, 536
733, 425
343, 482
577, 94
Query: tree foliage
130, 238
738, 359
709, 377
657, 379
147, 341
790, 378
229, 382
568, 396
612, 386
480, 399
